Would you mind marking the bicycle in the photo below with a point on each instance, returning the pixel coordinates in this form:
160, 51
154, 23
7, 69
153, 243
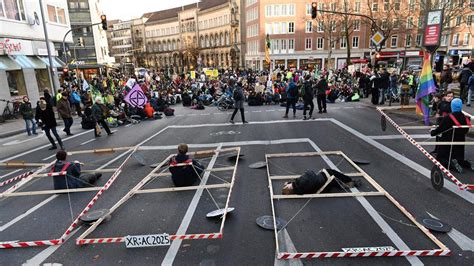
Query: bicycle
10, 113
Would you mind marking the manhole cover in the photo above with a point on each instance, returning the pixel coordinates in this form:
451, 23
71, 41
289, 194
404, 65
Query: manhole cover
435, 225
266, 222
93, 216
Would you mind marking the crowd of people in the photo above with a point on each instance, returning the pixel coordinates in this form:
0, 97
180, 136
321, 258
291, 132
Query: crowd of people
101, 101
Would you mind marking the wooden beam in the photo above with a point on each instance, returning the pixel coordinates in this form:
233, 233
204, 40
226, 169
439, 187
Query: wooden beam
433, 143
284, 177
330, 195
221, 169
21, 164
172, 189
48, 192
416, 127
109, 170
302, 154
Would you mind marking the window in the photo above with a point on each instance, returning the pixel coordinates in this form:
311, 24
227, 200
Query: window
284, 10
418, 40
384, 24
83, 4
276, 10
357, 7
268, 11
333, 6
394, 41
283, 27
291, 27
470, 18
420, 23
333, 26
409, 22
411, 5
291, 9
458, 21
408, 41
308, 8
268, 28
396, 23
343, 42
356, 25
444, 40
386, 5
12, 9
467, 39
397, 5
56, 14
320, 26
456, 39
333, 44
355, 42
308, 44
291, 45
320, 7
283, 46
309, 26
375, 7
320, 43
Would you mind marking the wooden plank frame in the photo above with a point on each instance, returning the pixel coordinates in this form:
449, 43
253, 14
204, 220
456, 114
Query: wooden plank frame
419, 145
82, 240
41, 171
441, 251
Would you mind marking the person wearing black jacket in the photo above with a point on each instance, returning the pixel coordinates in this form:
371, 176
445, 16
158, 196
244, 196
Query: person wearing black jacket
73, 177
447, 133
311, 182
184, 170
45, 117
308, 96
384, 85
463, 80
26, 112
321, 89
376, 84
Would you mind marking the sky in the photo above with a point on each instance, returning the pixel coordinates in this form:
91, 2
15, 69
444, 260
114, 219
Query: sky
128, 9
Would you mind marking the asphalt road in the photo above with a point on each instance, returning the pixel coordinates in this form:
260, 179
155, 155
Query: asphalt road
315, 225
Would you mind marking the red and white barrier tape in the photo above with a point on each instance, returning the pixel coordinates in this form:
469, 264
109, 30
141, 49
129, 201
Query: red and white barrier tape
13, 179
52, 242
108, 240
96, 197
309, 255
427, 154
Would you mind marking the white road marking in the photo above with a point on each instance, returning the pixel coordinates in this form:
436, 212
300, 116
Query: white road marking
286, 245
256, 111
42, 147
397, 241
463, 241
228, 144
11, 173
465, 194
206, 114
89, 141
49, 157
15, 142
219, 113
43, 255
28, 212
415, 136
129, 125
173, 250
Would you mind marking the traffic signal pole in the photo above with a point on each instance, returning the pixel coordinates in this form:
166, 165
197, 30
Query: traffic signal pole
48, 49
69, 31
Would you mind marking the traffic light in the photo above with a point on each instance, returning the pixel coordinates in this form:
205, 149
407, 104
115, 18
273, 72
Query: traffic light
103, 18
377, 55
314, 10
80, 41
66, 72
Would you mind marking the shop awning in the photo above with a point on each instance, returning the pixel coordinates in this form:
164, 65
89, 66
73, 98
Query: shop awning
56, 62
8, 64
28, 61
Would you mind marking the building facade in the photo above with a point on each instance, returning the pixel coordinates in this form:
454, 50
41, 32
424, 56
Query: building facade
122, 46
205, 34
89, 53
23, 54
334, 40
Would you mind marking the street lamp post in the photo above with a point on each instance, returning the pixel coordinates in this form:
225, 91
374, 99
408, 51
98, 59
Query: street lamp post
48, 49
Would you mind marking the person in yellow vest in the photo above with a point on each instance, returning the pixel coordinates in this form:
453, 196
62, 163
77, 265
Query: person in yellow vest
58, 95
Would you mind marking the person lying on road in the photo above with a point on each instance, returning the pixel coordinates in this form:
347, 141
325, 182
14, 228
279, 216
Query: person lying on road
311, 182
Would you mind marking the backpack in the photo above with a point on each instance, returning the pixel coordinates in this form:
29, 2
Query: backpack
169, 111
75, 98
236, 95
293, 91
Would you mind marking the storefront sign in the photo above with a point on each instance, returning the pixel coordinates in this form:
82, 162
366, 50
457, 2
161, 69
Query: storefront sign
434, 21
15, 46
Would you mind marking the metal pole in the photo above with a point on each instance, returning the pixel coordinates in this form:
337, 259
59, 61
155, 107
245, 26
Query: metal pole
78, 76
51, 69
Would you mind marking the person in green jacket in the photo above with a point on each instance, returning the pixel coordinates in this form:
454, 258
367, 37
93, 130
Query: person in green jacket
27, 112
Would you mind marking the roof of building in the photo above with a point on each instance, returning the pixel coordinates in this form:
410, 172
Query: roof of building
173, 12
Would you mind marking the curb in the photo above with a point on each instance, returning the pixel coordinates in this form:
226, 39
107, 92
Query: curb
12, 133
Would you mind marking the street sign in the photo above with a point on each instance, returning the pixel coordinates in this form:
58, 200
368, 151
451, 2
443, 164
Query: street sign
377, 38
147, 241
432, 34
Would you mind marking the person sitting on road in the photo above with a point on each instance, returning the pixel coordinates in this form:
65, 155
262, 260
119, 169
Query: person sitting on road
184, 170
311, 182
445, 130
73, 177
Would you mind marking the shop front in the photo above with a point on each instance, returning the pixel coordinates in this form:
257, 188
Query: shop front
311, 63
24, 70
459, 57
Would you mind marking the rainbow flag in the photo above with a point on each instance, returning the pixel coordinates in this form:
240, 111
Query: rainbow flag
426, 87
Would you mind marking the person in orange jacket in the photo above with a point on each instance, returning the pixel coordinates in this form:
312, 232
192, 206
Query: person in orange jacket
149, 111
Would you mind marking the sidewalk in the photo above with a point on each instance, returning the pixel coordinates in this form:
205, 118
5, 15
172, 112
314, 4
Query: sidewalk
17, 126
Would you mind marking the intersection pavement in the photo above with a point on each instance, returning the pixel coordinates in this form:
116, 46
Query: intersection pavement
323, 225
